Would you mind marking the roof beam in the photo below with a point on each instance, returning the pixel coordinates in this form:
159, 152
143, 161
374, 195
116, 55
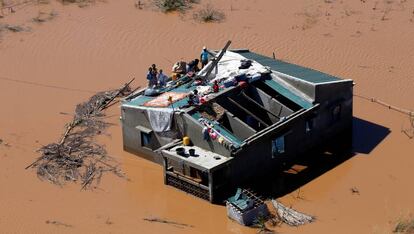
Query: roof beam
248, 112
258, 105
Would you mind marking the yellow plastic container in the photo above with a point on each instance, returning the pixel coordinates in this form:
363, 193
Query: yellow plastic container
174, 76
186, 140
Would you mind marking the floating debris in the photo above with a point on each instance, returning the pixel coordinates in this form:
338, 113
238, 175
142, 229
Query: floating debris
12, 28
76, 156
57, 223
354, 190
409, 132
159, 220
291, 216
45, 16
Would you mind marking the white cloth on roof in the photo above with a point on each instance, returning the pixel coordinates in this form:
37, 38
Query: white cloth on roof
229, 65
204, 89
160, 118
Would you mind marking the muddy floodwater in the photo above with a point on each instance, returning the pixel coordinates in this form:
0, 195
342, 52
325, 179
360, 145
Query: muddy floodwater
52, 65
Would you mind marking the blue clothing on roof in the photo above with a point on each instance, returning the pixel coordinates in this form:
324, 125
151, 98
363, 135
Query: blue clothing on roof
162, 79
149, 76
152, 79
204, 56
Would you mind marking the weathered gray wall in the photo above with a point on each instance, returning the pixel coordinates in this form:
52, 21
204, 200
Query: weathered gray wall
305, 87
256, 159
330, 95
271, 104
133, 117
240, 129
193, 129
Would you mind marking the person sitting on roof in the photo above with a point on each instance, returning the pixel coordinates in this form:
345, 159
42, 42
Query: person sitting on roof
193, 98
204, 56
190, 99
196, 97
162, 79
193, 66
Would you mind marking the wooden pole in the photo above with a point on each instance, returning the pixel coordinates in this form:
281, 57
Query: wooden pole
213, 65
391, 107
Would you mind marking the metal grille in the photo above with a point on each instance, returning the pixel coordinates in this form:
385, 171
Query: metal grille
188, 187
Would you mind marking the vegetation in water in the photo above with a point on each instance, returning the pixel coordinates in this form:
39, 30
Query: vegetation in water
209, 14
405, 226
174, 5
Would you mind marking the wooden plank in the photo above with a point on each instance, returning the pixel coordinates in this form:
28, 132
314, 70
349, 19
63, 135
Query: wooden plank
213, 65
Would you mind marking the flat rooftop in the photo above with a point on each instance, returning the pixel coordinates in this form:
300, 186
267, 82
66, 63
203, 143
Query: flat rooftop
296, 71
203, 159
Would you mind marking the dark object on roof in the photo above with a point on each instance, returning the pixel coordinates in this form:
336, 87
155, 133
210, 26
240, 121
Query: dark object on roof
245, 64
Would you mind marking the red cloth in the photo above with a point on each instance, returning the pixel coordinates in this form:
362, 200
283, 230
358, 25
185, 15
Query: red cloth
215, 88
243, 84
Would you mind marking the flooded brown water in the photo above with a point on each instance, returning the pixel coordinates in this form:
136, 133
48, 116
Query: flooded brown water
102, 46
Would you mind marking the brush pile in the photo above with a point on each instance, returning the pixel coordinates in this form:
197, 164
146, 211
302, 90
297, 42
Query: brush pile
291, 216
77, 157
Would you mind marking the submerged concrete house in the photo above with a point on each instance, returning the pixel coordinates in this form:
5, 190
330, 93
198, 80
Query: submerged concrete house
271, 112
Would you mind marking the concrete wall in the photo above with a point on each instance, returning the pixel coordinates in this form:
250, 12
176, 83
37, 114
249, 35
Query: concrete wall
239, 128
193, 129
131, 119
331, 95
256, 158
270, 103
305, 87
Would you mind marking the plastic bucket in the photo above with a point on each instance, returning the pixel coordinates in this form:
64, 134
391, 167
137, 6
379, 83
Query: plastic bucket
186, 141
180, 151
191, 152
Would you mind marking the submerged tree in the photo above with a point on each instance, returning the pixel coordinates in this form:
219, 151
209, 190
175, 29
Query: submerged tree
77, 157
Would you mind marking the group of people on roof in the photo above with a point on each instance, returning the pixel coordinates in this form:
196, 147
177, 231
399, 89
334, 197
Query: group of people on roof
157, 78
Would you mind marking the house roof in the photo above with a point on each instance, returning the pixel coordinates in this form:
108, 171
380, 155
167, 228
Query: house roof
288, 93
303, 73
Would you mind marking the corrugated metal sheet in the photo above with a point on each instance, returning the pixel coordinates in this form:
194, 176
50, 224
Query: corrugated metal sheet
294, 70
289, 94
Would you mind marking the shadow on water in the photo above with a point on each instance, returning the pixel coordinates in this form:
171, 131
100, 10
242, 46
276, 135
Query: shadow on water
366, 135
305, 168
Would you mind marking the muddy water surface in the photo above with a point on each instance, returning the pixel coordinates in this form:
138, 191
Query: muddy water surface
82, 50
